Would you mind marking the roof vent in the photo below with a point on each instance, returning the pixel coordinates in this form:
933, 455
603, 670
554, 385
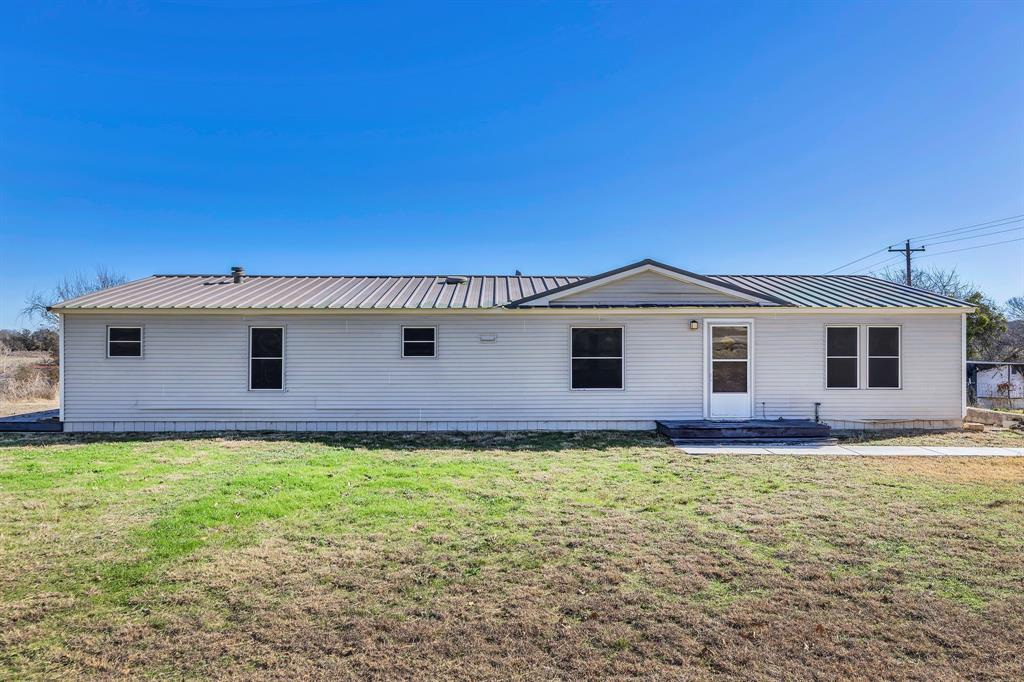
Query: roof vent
237, 271
455, 279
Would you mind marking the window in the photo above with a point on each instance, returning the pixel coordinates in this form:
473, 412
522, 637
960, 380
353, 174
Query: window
883, 357
266, 358
419, 342
730, 348
124, 342
596, 357
841, 368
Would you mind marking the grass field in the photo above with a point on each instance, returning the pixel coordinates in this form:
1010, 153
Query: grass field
990, 437
549, 556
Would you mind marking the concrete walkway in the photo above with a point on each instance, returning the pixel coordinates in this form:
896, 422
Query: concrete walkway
852, 450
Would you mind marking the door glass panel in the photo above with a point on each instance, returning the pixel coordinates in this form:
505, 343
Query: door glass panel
729, 377
728, 343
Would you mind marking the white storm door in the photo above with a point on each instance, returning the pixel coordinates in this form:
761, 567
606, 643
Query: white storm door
729, 370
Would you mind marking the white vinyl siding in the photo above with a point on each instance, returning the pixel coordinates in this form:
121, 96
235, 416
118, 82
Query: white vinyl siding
349, 366
647, 287
788, 384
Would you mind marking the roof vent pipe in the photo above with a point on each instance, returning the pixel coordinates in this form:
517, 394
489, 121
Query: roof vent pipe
236, 274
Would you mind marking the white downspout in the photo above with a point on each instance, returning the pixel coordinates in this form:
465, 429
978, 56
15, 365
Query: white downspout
60, 368
963, 366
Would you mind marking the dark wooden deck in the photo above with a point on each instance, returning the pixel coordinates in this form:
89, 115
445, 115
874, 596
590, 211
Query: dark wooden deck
46, 420
746, 431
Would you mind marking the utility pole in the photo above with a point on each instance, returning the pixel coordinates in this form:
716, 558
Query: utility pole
906, 251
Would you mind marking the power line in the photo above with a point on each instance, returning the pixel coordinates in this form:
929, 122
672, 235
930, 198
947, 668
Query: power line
937, 253
976, 236
998, 222
970, 248
970, 228
875, 265
858, 260
977, 229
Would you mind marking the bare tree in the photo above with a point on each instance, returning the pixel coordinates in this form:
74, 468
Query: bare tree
68, 287
986, 326
5, 357
936, 280
1015, 308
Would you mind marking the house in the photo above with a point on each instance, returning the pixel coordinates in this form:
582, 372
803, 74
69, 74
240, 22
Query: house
996, 384
618, 350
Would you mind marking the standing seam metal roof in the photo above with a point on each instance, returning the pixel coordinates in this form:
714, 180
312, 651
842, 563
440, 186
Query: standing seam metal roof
386, 292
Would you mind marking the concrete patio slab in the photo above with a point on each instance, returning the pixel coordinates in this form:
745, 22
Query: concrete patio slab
891, 450
977, 451
723, 449
809, 450
853, 450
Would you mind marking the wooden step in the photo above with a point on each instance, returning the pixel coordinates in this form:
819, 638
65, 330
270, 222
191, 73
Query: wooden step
755, 441
13, 426
746, 431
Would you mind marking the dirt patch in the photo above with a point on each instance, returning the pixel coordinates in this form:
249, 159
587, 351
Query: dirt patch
954, 469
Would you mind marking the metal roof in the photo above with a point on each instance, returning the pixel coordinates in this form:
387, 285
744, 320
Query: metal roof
405, 292
371, 292
840, 291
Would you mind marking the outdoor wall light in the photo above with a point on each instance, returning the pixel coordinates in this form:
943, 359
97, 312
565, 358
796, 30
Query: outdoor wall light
694, 325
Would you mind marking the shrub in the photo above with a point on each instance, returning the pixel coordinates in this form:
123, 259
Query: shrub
24, 378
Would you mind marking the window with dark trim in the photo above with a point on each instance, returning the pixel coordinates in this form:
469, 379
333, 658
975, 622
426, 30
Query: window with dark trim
841, 357
596, 357
124, 342
419, 342
266, 358
884, 357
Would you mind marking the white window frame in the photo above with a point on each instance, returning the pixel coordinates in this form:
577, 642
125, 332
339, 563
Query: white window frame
141, 342
250, 358
869, 356
620, 358
857, 328
418, 326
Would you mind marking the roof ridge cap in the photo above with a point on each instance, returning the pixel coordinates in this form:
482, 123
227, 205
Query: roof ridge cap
445, 274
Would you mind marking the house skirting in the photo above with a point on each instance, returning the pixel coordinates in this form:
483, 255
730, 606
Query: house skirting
894, 424
405, 426
424, 426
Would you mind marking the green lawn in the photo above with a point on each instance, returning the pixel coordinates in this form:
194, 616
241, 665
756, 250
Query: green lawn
997, 438
547, 556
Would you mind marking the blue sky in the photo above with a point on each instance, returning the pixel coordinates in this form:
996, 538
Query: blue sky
303, 137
